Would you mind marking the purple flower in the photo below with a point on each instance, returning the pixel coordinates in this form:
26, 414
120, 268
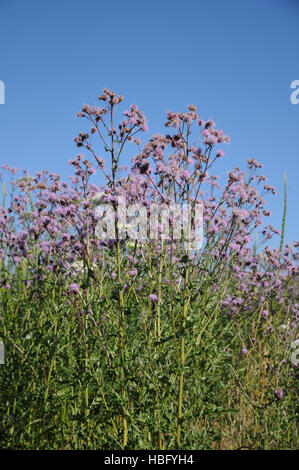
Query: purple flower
153, 297
74, 288
133, 272
197, 150
279, 394
244, 351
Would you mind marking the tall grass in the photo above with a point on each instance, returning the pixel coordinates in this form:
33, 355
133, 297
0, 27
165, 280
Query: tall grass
62, 387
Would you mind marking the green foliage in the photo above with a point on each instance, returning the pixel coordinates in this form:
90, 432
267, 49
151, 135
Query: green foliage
61, 385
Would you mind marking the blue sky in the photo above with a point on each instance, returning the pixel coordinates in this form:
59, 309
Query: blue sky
234, 59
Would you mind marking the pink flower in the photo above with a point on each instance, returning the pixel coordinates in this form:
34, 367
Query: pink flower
279, 394
133, 272
153, 297
74, 288
145, 127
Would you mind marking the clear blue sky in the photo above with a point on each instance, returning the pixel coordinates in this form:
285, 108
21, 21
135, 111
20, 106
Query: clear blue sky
234, 59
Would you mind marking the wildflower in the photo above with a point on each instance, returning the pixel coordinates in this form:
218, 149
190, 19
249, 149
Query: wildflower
144, 127
133, 272
153, 297
74, 288
279, 394
244, 351
144, 166
186, 174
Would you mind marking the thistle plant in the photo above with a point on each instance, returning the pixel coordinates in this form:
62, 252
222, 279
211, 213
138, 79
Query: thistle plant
150, 342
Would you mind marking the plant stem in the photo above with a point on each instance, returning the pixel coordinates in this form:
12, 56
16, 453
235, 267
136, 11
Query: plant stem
114, 161
182, 363
185, 309
284, 212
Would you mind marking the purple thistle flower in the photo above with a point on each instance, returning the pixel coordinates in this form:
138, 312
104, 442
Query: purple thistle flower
153, 297
279, 394
133, 272
74, 288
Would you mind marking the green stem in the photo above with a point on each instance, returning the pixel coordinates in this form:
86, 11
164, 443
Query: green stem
185, 309
284, 212
182, 363
114, 161
159, 293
